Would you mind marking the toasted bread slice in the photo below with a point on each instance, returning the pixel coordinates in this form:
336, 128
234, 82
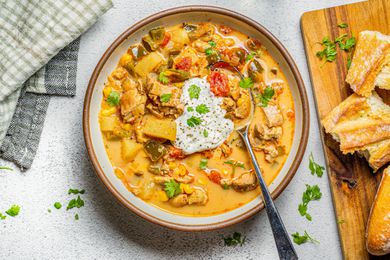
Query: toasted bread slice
378, 228
372, 53
362, 124
383, 78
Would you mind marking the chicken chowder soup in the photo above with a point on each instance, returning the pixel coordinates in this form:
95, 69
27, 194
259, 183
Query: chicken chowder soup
169, 111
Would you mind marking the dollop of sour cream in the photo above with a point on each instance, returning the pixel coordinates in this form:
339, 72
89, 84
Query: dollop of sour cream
213, 128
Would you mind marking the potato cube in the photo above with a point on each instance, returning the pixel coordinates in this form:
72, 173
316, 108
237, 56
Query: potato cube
130, 149
160, 128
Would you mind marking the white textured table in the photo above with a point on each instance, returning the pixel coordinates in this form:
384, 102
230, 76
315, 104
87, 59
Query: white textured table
106, 230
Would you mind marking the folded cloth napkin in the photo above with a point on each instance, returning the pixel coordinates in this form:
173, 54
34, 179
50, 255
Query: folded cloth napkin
34, 65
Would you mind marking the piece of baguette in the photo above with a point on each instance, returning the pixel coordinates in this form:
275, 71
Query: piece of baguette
371, 55
362, 124
378, 228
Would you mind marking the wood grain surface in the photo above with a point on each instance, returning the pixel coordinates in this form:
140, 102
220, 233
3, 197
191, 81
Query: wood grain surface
353, 184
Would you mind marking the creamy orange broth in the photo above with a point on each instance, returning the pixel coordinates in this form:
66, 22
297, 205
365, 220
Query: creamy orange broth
220, 200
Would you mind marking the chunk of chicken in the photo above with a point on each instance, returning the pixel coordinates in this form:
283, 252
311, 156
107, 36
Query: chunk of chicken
185, 179
243, 106
180, 200
162, 179
273, 115
271, 152
261, 131
199, 196
245, 182
132, 104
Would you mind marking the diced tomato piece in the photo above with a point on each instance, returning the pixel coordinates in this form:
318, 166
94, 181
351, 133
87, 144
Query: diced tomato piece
214, 176
184, 64
208, 154
219, 84
176, 153
166, 40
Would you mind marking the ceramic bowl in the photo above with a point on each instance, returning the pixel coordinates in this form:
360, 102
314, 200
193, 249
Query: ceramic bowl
109, 60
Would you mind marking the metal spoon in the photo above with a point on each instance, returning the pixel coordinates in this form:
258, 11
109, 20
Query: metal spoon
283, 243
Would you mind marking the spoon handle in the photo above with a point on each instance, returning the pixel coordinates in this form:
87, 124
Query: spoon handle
283, 243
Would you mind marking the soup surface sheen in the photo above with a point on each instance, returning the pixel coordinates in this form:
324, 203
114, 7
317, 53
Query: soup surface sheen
168, 114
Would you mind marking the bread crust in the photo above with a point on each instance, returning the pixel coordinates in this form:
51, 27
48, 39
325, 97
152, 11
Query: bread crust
371, 55
362, 124
378, 228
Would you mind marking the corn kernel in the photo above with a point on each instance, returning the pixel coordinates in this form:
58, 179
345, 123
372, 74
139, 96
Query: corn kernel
181, 170
172, 165
127, 127
162, 196
125, 59
240, 101
107, 91
108, 112
186, 188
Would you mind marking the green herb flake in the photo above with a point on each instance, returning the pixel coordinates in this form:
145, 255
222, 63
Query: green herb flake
246, 83
314, 167
205, 133
76, 191
164, 98
341, 221
203, 163
329, 52
58, 205
172, 188
49, 210
348, 45
234, 240
76, 217
298, 239
342, 25
6, 168
193, 121
349, 61
13, 211
266, 97
312, 193
235, 164
113, 98
225, 186
209, 51
212, 43
250, 56
194, 91
163, 78
202, 109
75, 203
2, 217
190, 109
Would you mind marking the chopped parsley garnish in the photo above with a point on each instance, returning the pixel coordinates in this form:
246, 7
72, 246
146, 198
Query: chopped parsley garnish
202, 109
190, 109
76, 191
225, 186
235, 164
13, 211
49, 210
298, 239
194, 91
203, 163
341, 221
311, 193
2, 217
250, 56
235, 239
163, 78
76, 217
349, 61
172, 188
342, 25
193, 121
246, 83
348, 45
266, 97
205, 133
329, 52
212, 43
113, 98
6, 168
75, 203
314, 167
164, 98
58, 205
209, 51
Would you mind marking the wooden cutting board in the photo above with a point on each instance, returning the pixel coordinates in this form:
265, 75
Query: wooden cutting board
353, 184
